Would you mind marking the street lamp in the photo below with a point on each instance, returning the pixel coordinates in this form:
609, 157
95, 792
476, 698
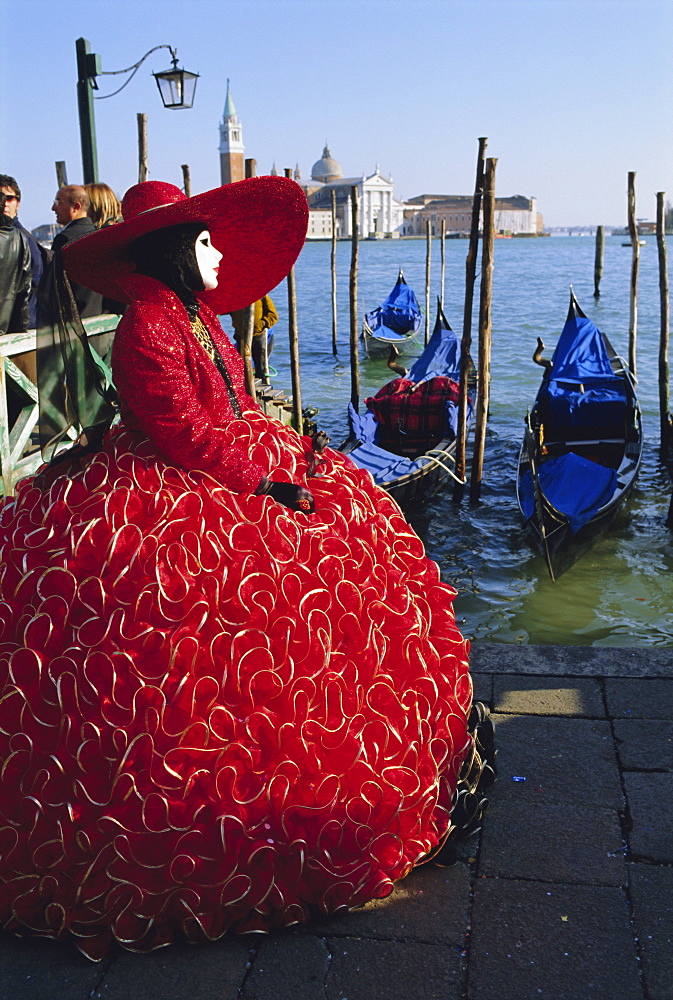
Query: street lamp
176, 86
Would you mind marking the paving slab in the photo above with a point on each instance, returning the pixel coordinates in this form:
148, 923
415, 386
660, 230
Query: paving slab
200, 972
650, 800
570, 661
640, 699
429, 905
644, 744
37, 969
532, 940
651, 889
562, 696
287, 966
553, 843
483, 688
385, 970
561, 760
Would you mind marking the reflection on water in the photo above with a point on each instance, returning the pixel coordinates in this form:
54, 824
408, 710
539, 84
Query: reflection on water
620, 593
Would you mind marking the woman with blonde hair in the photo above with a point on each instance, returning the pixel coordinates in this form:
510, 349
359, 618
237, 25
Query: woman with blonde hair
105, 208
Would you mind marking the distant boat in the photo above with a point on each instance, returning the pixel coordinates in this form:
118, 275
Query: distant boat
406, 438
395, 322
582, 446
641, 243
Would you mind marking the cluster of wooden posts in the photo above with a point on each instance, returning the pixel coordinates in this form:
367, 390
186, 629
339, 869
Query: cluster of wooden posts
484, 194
15, 463
665, 424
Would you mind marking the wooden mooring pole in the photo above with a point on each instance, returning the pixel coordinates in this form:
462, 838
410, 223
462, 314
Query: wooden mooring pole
293, 328
142, 148
442, 257
635, 261
186, 180
428, 256
250, 166
353, 301
666, 435
334, 277
598, 260
466, 342
61, 174
484, 363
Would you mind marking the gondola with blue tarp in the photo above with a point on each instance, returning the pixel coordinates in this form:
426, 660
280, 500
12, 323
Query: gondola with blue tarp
406, 436
582, 444
395, 322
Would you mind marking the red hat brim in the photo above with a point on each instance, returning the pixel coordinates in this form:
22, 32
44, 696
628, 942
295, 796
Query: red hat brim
258, 225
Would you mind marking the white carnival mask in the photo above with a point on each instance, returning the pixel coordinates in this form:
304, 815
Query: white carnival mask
208, 259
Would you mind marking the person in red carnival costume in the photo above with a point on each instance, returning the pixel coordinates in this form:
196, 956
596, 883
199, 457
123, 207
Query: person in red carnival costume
232, 694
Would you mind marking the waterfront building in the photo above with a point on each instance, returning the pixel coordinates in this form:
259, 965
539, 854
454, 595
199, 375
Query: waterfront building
232, 150
45, 233
516, 215
319, 224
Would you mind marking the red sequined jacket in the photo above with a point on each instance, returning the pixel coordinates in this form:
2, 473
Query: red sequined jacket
171, 391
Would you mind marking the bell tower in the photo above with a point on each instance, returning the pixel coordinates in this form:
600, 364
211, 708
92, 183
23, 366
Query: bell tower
232, 150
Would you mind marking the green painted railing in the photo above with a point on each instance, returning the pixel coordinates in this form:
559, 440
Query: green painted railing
19, 448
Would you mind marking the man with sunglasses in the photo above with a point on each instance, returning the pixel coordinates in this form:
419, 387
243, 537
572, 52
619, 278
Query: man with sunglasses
14, 274
38, 255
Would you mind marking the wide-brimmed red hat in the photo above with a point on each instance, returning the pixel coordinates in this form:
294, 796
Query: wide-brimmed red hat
258, 225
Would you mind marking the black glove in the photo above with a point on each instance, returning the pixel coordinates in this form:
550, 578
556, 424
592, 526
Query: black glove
289, 494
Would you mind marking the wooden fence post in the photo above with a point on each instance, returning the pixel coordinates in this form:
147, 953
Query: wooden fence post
353, 301
428, 255
142, 148
666, 438
635, 260
61, 174
293, 329
249, 325
466, 341
598, 260
333, 268
442, 257
484, 363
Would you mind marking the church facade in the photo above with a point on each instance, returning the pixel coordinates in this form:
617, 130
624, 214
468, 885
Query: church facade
380, 214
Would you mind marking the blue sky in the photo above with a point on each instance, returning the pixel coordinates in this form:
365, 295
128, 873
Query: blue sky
572, 94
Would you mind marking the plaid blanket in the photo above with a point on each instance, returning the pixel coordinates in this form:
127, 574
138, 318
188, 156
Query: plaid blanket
413, 416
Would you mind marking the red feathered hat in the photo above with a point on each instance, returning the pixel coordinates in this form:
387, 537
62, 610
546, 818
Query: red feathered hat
258, 225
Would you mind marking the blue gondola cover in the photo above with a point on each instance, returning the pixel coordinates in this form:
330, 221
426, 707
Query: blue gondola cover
582, 395
574, 485
399, 314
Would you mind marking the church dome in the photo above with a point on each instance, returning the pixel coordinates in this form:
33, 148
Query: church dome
326, 169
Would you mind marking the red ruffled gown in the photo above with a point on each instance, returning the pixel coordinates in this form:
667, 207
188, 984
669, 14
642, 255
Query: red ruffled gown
215, 713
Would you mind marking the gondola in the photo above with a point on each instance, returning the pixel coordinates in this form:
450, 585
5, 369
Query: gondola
395, 322
389, 449
582, 445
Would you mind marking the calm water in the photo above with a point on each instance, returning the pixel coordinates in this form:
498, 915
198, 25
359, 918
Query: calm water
620, 594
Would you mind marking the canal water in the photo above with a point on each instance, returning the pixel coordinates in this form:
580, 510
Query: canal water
621, 593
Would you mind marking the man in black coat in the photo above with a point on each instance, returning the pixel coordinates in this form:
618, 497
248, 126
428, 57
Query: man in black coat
71, 205
14, 275
39, 257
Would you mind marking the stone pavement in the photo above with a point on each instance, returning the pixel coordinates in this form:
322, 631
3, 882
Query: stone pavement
566, 894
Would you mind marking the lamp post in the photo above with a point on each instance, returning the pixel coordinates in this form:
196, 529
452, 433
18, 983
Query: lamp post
176, 86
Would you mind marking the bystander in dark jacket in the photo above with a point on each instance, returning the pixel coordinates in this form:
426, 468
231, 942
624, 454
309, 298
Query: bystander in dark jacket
71, 205
15, 276
39, 256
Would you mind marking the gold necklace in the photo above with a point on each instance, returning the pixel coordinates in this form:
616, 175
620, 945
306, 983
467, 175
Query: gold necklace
204, 338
